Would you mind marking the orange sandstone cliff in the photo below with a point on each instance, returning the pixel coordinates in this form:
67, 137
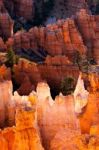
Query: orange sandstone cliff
24, 135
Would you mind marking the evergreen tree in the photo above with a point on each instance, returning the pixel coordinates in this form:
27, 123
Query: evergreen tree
67, 85
11, 58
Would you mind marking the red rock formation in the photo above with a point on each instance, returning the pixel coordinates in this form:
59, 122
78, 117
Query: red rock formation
54, 39
57, 60
88, 26
65, 37
5, 95
24, 69
6, 23
23, 8
53, 72
26, 87
5, 73
2, 45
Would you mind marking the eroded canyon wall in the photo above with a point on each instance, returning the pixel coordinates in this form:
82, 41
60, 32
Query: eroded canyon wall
65, 37
50, 72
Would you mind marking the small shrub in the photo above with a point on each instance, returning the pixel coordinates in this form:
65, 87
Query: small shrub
11, 58
67, 85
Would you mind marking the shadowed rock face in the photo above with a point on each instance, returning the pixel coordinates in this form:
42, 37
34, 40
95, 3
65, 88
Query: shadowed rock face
67, 8
44, 9
93, 6
23, 8
6, 23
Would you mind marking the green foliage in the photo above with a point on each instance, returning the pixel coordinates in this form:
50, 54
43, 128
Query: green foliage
67, 85
11, 58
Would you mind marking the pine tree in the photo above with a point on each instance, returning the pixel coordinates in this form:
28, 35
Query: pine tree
67, 85
11, 58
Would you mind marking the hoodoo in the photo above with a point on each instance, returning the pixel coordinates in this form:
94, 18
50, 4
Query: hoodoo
49, 75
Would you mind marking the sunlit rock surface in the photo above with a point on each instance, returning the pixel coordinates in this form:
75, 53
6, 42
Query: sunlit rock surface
54, 116
5, 73
5, 99
66, 139
24, 135
91, 114
9, 103
74, 141
43, 92
90, 117
37, 118
80, 95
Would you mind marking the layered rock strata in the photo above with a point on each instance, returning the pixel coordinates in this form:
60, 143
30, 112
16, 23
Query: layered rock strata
65, 37
53, 71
